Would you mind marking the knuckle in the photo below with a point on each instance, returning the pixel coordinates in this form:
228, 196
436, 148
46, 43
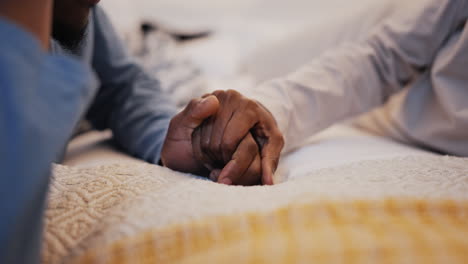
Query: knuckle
218, 93
233, 94
252, 117
192, 104
252, 105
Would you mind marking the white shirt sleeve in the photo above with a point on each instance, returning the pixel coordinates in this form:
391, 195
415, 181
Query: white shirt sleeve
357, 77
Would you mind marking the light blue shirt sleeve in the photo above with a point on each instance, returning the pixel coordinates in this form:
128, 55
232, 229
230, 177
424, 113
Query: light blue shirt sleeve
41, 99
130, 102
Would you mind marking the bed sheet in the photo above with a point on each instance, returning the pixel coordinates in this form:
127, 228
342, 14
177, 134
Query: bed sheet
337, 146
341, 145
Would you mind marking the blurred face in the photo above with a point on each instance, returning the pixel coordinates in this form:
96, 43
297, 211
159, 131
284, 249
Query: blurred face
70, 21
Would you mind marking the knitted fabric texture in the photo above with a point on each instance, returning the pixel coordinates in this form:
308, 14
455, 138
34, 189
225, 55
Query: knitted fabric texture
410, 209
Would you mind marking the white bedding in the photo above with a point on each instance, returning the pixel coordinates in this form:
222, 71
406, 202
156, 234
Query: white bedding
341, 145
90, 208
337, 146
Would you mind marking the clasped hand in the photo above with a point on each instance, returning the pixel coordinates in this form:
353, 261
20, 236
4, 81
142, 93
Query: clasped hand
224, 136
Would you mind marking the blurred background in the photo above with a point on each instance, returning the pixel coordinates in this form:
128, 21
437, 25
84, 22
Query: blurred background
264, 38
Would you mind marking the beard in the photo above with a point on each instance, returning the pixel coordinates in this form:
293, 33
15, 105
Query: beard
68, 36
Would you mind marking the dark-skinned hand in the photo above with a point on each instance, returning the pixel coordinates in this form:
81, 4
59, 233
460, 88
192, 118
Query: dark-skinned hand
177, 152
243, 149
241, 144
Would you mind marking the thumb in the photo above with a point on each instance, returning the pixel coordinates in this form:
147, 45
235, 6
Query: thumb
183, 124
198, 110
177, 152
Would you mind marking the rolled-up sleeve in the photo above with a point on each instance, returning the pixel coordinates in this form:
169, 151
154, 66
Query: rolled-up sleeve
41, 98
130, 102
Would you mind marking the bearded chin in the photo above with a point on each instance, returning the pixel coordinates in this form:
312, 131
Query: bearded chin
69, 37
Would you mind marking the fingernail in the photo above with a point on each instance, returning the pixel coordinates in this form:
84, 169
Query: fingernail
226, 181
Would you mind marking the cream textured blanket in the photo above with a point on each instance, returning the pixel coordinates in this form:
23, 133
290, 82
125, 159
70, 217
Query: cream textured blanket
92, 207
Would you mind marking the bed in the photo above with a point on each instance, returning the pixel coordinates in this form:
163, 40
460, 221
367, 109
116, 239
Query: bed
347, 196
